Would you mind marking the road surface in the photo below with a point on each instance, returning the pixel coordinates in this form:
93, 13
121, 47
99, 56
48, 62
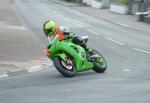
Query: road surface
126, 50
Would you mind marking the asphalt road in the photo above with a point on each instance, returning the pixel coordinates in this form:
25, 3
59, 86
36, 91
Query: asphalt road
126, 50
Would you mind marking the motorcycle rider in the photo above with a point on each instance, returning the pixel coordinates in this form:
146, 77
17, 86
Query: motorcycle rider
51, 29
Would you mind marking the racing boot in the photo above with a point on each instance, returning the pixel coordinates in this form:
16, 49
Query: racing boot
91, 56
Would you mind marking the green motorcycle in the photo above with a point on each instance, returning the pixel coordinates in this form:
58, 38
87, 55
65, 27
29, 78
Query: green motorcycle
69, 58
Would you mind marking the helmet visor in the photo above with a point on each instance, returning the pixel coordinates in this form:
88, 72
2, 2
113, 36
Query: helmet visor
47, 31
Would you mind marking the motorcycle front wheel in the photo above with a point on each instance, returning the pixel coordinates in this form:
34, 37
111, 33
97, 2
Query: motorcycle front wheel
100, 65
66, 69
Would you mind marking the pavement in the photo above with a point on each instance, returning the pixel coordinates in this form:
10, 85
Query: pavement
129, 21
65, 3
19, 48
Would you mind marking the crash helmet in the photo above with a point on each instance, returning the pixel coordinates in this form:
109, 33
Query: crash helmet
49, 28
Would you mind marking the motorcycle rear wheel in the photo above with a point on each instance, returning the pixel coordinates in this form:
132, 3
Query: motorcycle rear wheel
64, 68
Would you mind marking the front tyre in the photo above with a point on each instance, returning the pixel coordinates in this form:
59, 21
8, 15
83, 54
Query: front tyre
66, 69
100, 65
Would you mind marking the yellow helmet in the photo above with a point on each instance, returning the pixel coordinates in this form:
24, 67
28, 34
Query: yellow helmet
49, 28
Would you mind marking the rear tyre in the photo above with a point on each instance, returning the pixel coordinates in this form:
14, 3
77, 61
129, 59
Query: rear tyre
68, 70
100, 65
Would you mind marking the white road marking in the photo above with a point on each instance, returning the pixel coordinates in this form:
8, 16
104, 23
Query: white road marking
141, 50
48, 64
127, 26
38, 67
126, 70
93, 32
3, 75
117, 42
12, 27
80, 24
30, 69
34, 68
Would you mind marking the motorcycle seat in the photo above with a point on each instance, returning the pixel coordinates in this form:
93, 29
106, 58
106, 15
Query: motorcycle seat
85, 39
